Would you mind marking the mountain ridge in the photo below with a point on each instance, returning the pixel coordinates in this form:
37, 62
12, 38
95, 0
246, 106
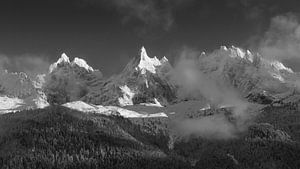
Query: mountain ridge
149, 80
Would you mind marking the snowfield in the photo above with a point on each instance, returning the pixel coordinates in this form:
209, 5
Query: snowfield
8, 104
109, 110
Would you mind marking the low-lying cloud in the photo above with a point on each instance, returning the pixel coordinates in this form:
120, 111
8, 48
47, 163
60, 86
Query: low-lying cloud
211, 127
282, 40
29, 64
194, 83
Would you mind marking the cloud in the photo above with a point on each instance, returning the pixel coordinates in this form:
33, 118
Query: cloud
61, 87
154, 13
193, 82
282, 40
31, 65
216, 127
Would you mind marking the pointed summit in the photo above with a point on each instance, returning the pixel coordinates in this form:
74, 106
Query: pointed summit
144, 55
147, 63
63, 59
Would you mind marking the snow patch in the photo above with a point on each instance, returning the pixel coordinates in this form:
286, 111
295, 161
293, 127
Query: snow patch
164, 60
41, 100
127, 96
277, 76
10, 104
82, 63
239, 52
250, 56
108, 110
155, 104
132, 114
279, 66
207, 107
87, 108
147, 85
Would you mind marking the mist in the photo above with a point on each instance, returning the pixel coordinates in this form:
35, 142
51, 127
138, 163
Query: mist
282, 39
32, 65
193, 82
210, 127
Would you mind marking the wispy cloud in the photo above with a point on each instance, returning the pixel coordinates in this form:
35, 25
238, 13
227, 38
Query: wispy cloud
193, 82
282, 39
154, 13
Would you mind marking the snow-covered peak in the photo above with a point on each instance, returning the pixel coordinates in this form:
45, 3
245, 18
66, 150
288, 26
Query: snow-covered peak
237, 52
65, 59
147, 63
82, 63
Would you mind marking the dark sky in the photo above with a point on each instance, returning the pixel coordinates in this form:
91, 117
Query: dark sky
107, 33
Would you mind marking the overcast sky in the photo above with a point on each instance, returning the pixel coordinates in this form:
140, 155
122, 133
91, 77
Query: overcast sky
107, 33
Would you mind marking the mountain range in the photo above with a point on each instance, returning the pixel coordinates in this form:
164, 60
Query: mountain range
147, 80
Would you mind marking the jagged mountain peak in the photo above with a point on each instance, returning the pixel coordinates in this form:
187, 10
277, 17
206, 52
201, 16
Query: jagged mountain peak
247, 55
237, 52
146, 63
141, 81
64, 59
246, 70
